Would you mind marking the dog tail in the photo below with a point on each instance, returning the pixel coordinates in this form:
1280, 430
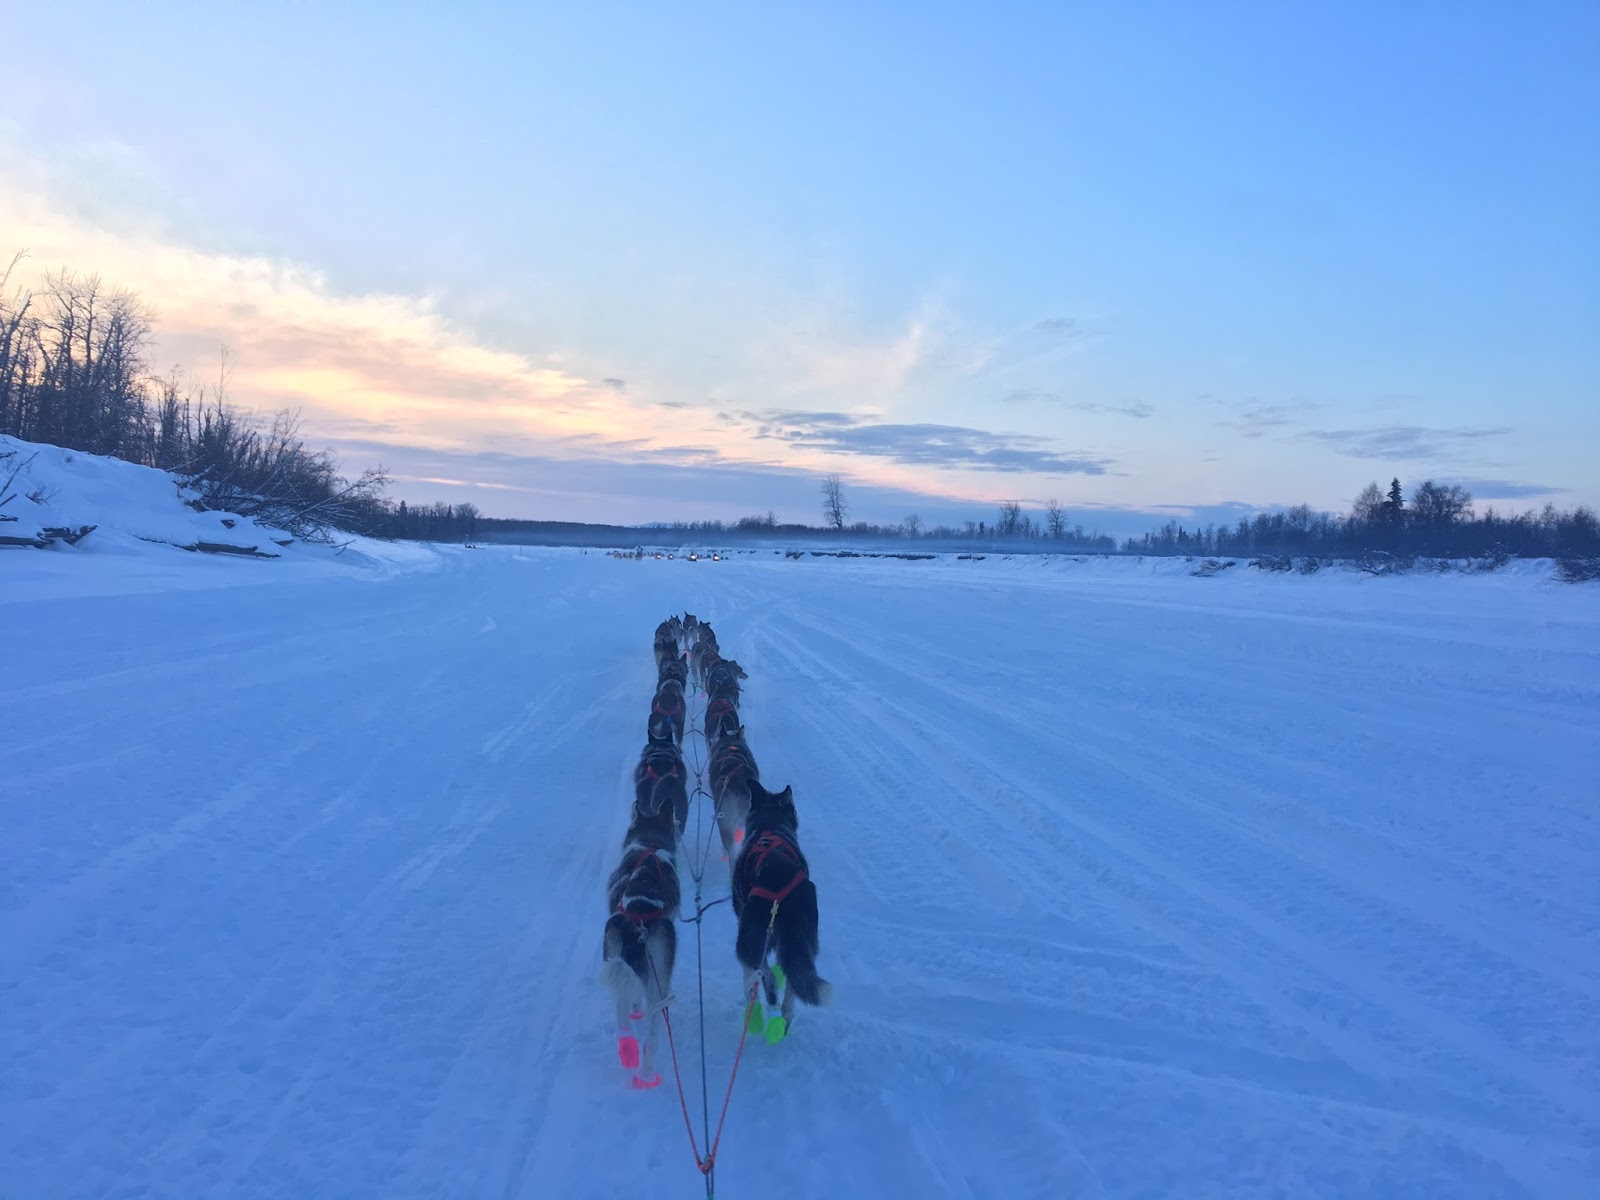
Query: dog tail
797, 945
649, 959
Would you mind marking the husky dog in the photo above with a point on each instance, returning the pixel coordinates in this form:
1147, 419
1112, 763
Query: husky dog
731, 772
771, 871
669, 630
704, 643
641, 941
658, 780
669, 703
722, 679
666, 651
722, 722
703, 658
676, 667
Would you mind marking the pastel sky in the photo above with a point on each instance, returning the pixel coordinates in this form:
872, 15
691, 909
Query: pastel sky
631, 262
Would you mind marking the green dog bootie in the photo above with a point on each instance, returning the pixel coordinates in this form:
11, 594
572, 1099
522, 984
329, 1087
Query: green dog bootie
777, 1030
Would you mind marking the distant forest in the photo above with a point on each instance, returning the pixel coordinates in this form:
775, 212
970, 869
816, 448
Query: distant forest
1436, 522
74, 372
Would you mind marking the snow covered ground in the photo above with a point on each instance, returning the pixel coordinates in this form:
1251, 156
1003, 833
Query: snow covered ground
1132, 884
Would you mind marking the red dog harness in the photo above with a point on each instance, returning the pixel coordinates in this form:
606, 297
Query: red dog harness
727, 763
633, 868
650, 768
764, 846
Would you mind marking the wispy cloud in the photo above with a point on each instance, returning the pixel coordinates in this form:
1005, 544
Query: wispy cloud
1402, 441
1503, 489
921, 444
1257, 420
1137, 410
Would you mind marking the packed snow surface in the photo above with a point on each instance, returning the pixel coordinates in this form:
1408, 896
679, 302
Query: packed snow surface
1132, 884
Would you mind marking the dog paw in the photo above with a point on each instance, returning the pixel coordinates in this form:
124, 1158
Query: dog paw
628, 1051
640, 1084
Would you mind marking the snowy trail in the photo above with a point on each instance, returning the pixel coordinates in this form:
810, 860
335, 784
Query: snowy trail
1131, 885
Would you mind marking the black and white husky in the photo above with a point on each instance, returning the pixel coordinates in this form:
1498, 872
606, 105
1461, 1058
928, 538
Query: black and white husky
659, 781
668, 702
722, 679
771, 870
721, 721
641, 941
731, 771
666, 652
704, 653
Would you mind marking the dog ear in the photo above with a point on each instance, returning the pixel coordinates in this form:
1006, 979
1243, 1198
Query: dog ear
787, 795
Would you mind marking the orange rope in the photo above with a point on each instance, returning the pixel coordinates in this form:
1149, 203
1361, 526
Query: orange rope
710, 1160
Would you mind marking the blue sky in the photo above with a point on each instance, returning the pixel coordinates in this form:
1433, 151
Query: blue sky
631, 262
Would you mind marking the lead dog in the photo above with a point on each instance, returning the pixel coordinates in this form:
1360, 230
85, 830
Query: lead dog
776, 903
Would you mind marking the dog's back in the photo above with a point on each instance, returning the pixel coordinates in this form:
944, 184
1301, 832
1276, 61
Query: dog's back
640, 941
772, 870
722, 722
722, 679
660, 784
644, 887
668, 703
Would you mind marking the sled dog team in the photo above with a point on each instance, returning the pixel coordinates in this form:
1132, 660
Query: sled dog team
773, 896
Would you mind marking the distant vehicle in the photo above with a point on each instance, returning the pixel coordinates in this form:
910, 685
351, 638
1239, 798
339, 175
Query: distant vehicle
716, 558
694, 558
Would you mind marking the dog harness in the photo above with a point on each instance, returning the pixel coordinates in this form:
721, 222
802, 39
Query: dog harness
660, 907
727, 763
757, 853
650, 767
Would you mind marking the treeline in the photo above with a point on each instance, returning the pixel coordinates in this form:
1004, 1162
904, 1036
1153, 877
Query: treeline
436, 522
74, 372
1437, 522
1049, 530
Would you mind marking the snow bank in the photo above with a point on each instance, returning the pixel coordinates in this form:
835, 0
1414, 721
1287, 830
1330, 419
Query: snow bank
143, 534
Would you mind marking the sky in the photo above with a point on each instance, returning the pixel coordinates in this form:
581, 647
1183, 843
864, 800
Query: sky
669, 262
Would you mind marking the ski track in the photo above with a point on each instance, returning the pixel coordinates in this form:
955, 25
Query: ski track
1129, 886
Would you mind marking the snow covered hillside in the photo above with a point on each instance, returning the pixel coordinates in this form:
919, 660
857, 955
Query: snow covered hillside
1132, 884
125, 505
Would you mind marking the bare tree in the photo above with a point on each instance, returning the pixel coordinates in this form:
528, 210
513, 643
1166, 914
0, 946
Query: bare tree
1368, 506
834, 506
1055, 519
1010, 522
912, 525
1436, 505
